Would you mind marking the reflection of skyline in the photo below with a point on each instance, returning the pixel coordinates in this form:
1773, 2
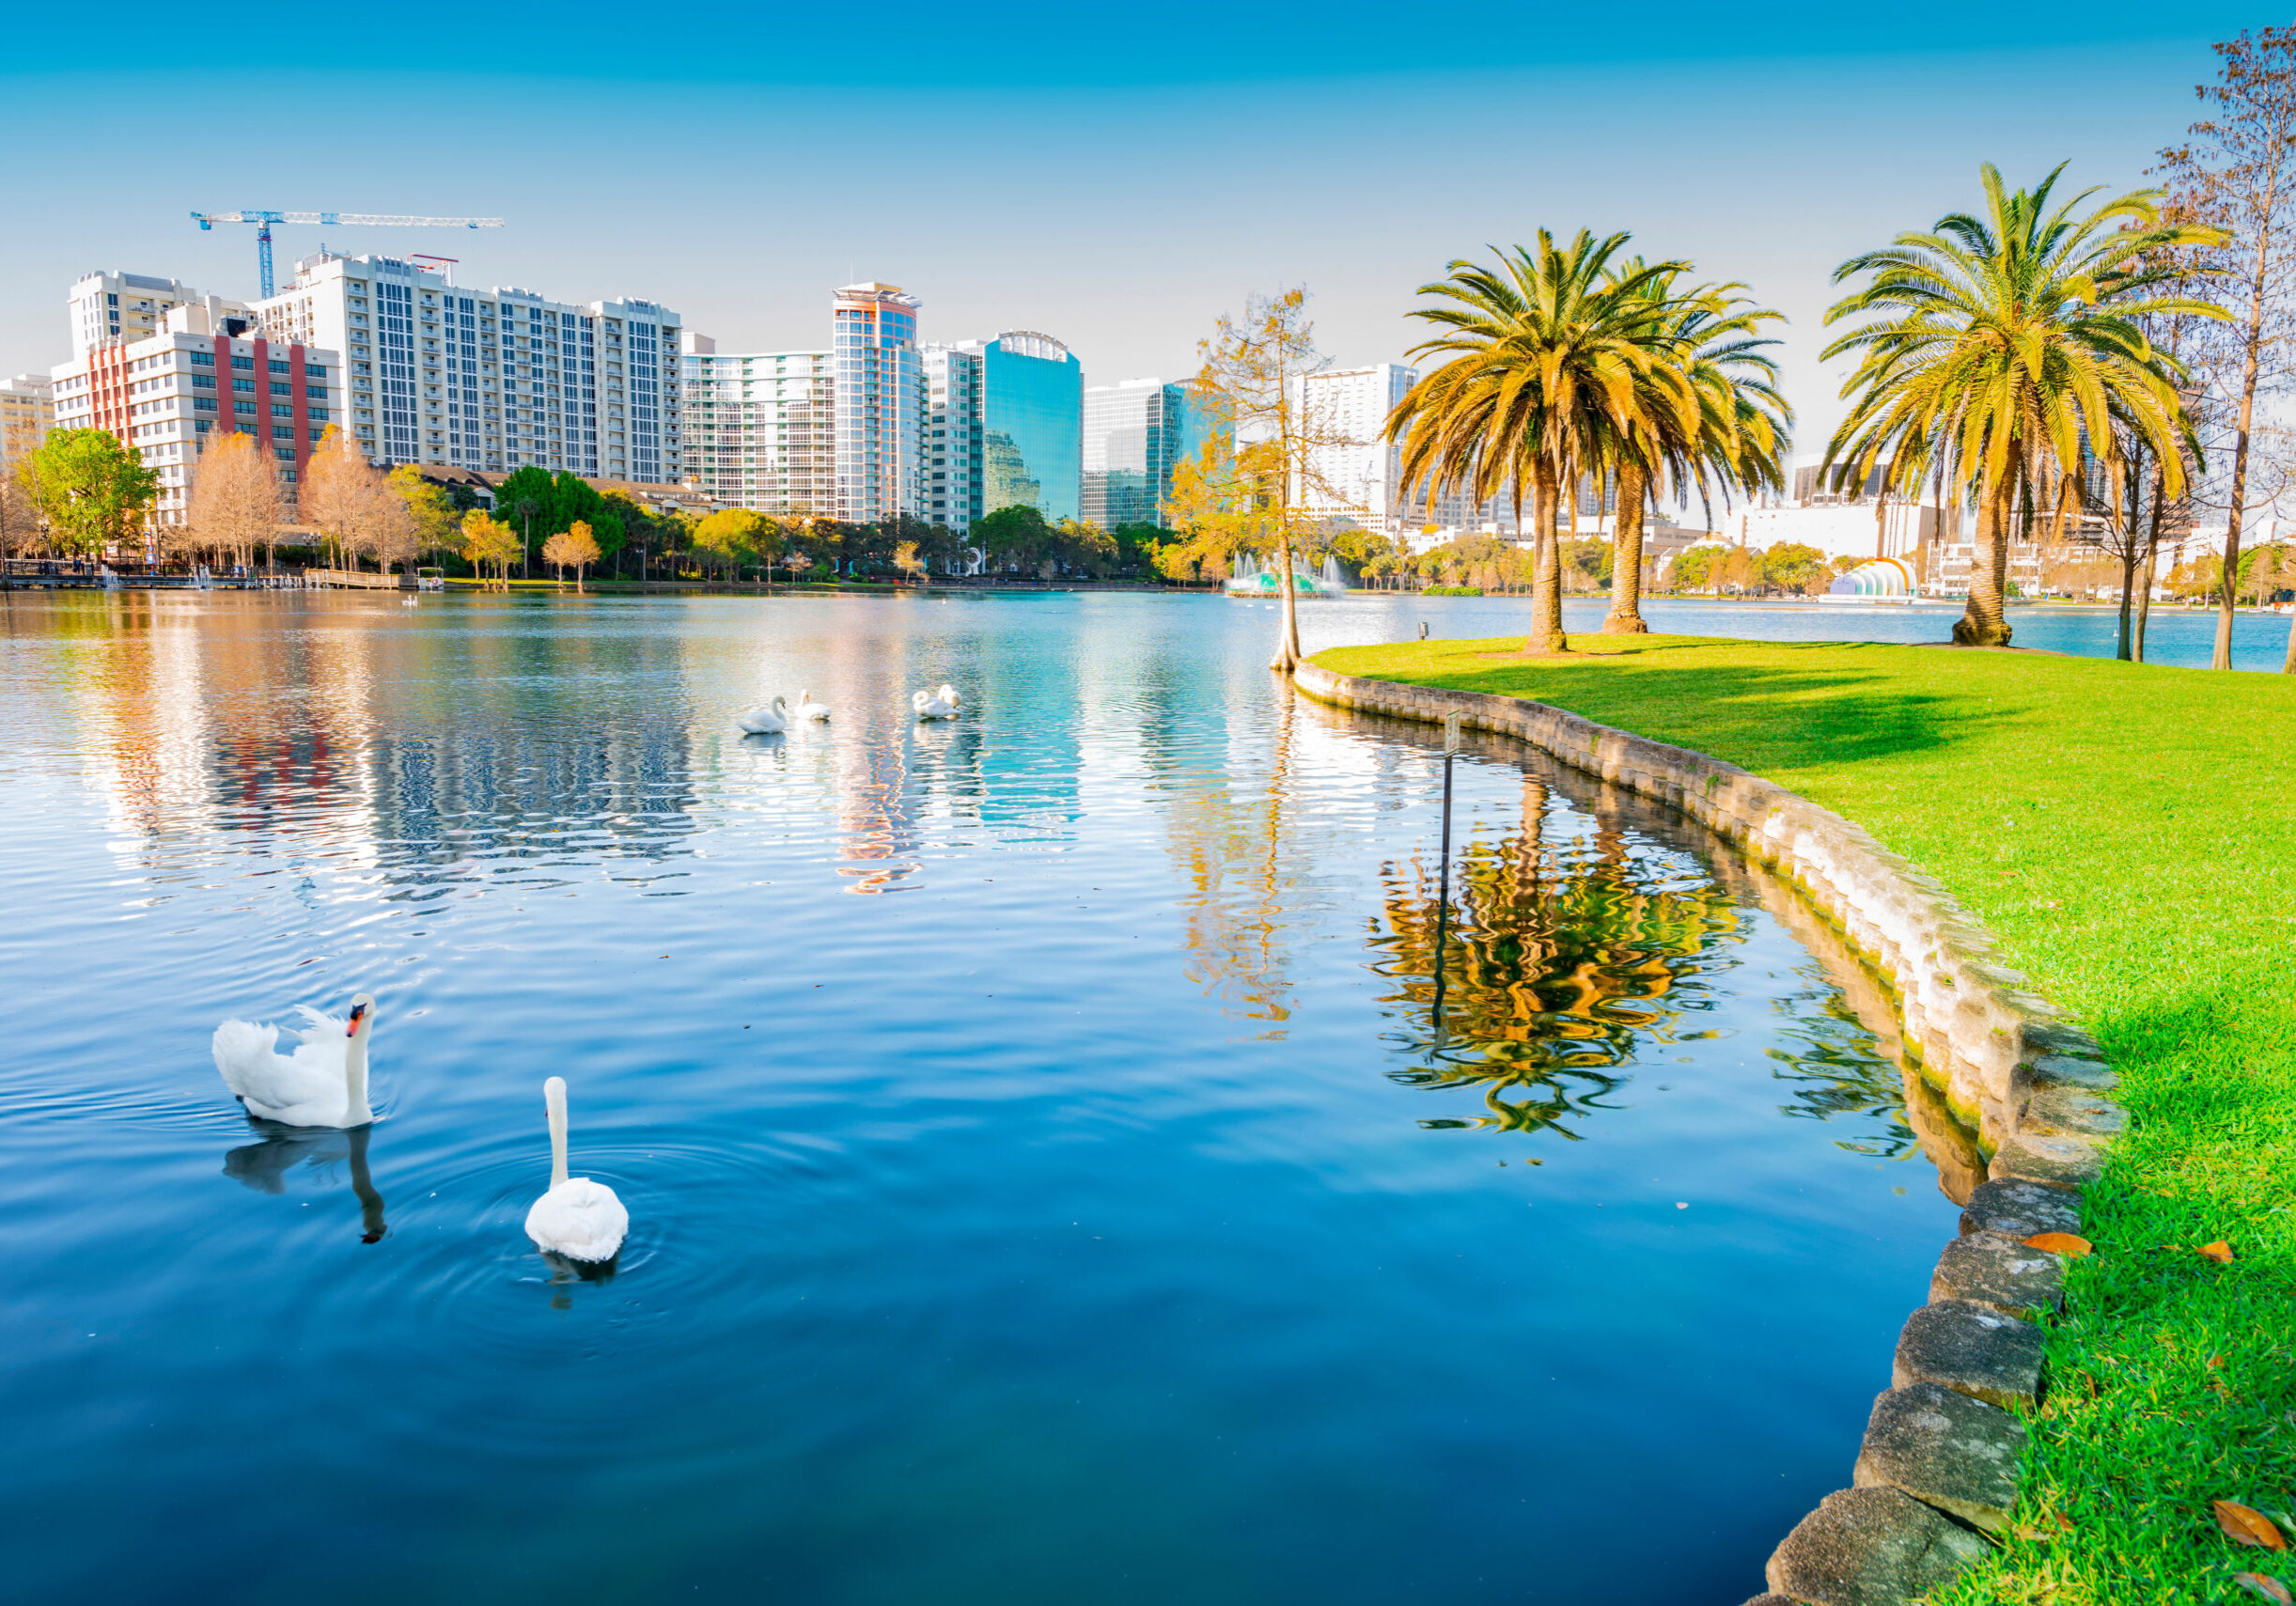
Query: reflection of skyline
400, 748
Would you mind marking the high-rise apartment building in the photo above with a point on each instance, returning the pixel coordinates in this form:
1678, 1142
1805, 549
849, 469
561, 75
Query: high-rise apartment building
496, 378
205, 371
127, 306
1032, 423
880, 403
952, 449
1357, 476
1136, 433
761, 428
27, 413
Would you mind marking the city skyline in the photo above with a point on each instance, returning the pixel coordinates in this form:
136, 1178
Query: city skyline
748, 212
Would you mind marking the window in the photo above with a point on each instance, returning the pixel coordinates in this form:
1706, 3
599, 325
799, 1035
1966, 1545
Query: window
281, 410
279, 366
242, 361
283, 432
316, 375
246, 386
245, 409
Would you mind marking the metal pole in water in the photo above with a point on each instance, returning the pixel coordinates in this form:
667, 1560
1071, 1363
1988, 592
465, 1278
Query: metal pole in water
1443, 876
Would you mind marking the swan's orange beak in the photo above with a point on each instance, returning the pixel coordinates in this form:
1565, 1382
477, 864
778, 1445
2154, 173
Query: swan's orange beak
350, 1028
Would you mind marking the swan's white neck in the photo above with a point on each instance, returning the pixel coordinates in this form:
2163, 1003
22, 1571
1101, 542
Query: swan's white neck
355, 1076
553, 1100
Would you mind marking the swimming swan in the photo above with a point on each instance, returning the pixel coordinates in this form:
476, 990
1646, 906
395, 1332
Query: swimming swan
771, 720
323, 1083
808, 709
578, 1218
948, 694
928, 706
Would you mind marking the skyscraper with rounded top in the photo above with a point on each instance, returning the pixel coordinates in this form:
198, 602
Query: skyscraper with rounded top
1032, 425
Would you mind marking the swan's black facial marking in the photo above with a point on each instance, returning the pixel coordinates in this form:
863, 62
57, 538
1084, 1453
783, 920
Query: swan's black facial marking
350, 1028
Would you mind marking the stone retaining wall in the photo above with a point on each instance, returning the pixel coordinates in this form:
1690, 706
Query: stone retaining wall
1939, 1465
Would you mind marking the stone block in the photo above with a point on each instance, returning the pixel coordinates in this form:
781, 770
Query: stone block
2020, 1209
1972, 1349
1945, 1450
2069, 1071
2053, 1036
1870, 1547
2058, 1162
2072, 1112
1987, 1268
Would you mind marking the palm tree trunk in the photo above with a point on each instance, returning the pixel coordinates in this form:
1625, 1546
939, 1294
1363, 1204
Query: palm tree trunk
1546, 638
1982, 623
2128, 584
1625, 616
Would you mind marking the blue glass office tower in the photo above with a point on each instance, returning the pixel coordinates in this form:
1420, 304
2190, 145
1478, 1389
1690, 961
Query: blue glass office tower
1031, 423
1136, 433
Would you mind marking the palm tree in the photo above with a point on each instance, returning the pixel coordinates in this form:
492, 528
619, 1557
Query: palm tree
1551, 356
1741, 428
1997, 345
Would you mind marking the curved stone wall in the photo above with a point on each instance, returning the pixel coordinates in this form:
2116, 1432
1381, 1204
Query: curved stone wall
1938, 1468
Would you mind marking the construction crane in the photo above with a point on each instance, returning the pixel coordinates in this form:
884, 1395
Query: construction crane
328, 219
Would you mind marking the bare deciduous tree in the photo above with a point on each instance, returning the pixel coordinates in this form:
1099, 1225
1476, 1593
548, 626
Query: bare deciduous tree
235, 501
2237, 171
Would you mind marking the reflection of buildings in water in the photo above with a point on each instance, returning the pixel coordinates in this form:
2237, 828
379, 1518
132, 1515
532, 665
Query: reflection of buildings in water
194, 722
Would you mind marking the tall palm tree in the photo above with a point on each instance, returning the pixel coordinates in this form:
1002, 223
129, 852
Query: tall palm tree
1714, 340
1550, 355
1997, 345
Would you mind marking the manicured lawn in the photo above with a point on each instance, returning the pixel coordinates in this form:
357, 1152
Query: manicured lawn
2129, 833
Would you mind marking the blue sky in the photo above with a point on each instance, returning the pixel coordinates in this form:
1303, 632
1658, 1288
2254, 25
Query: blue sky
1112, 177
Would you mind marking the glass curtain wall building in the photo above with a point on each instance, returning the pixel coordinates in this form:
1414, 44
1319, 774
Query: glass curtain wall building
1136, 433
1032, 425
880, 403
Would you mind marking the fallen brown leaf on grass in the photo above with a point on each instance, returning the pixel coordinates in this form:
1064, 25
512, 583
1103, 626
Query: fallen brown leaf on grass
2219, 1251
2247, 1525
2060, 1243
2031, 1535
2266, 1585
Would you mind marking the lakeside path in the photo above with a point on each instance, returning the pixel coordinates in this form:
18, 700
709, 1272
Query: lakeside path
2128, 833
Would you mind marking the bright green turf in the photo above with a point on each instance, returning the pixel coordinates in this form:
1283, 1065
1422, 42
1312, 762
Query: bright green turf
2129, 833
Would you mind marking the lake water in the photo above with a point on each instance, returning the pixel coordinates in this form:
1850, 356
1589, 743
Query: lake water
1050, 1181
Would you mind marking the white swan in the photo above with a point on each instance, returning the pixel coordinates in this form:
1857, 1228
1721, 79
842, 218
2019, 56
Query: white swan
808, 709
928, 706
323, 1083
771, 720
948, 694
578, 1218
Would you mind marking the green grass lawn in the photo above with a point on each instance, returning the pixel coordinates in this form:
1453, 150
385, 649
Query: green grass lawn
2130, 835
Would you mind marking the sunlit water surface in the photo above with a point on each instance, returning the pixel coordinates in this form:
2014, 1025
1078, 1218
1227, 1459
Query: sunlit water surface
1051, 1183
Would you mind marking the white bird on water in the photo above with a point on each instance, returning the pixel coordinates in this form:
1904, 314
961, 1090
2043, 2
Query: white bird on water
808, 709
578, 1218
948, 694
323, 1083
928, 706
771, 720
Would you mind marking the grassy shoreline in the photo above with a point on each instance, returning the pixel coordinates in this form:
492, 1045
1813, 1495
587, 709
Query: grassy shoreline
2129, 833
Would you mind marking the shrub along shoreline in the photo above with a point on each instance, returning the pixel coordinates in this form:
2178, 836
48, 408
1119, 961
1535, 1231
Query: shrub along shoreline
2128, 833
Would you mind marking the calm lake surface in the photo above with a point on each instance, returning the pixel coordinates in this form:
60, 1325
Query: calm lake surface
1050, 1181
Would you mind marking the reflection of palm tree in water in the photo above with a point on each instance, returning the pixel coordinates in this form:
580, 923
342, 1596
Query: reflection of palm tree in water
1557, 960
263, 1166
